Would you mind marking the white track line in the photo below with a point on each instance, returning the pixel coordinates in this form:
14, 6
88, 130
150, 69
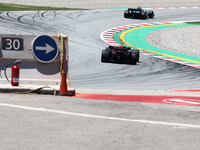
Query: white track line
99, 117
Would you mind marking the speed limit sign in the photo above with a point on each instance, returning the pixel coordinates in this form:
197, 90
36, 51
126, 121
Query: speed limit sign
15, 44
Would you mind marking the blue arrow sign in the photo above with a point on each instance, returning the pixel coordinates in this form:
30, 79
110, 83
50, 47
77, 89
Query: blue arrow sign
45, 48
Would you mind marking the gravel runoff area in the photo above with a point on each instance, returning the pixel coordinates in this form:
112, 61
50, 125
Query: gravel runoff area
183, 40
102, 4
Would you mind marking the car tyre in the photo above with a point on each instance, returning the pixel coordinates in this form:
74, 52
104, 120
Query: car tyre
105, 56
133, 58
151, 14
126, 14
138, 54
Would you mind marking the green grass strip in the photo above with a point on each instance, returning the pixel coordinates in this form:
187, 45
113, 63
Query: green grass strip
15, 7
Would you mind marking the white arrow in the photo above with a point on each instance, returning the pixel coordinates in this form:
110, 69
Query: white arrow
47, 48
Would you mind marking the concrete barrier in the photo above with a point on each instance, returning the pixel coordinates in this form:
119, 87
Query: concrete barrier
40, 63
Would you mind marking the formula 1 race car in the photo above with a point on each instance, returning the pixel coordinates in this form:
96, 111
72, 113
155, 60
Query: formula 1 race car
120, 54
138, 13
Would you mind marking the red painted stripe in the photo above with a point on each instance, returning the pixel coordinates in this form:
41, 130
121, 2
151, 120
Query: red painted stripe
175, 100
108, 38
192, 90
109, 33
134, 25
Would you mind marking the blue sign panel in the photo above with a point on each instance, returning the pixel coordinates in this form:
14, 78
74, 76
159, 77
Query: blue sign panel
45, 48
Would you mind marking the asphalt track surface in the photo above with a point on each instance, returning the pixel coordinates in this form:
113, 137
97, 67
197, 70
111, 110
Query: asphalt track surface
46, 122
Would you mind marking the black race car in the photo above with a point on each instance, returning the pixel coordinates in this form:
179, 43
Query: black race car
138, 13
120, 54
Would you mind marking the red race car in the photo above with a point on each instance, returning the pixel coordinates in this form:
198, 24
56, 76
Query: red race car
120, 54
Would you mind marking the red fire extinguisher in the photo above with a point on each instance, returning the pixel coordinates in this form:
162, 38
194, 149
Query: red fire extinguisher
14, 73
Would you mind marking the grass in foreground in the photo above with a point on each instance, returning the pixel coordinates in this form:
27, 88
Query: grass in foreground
197, 22
15, 7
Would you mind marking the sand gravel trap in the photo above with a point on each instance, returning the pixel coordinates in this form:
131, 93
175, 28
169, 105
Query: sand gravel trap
181, 39
101, 4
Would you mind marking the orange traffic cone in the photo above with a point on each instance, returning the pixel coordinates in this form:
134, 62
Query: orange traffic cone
63, 86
